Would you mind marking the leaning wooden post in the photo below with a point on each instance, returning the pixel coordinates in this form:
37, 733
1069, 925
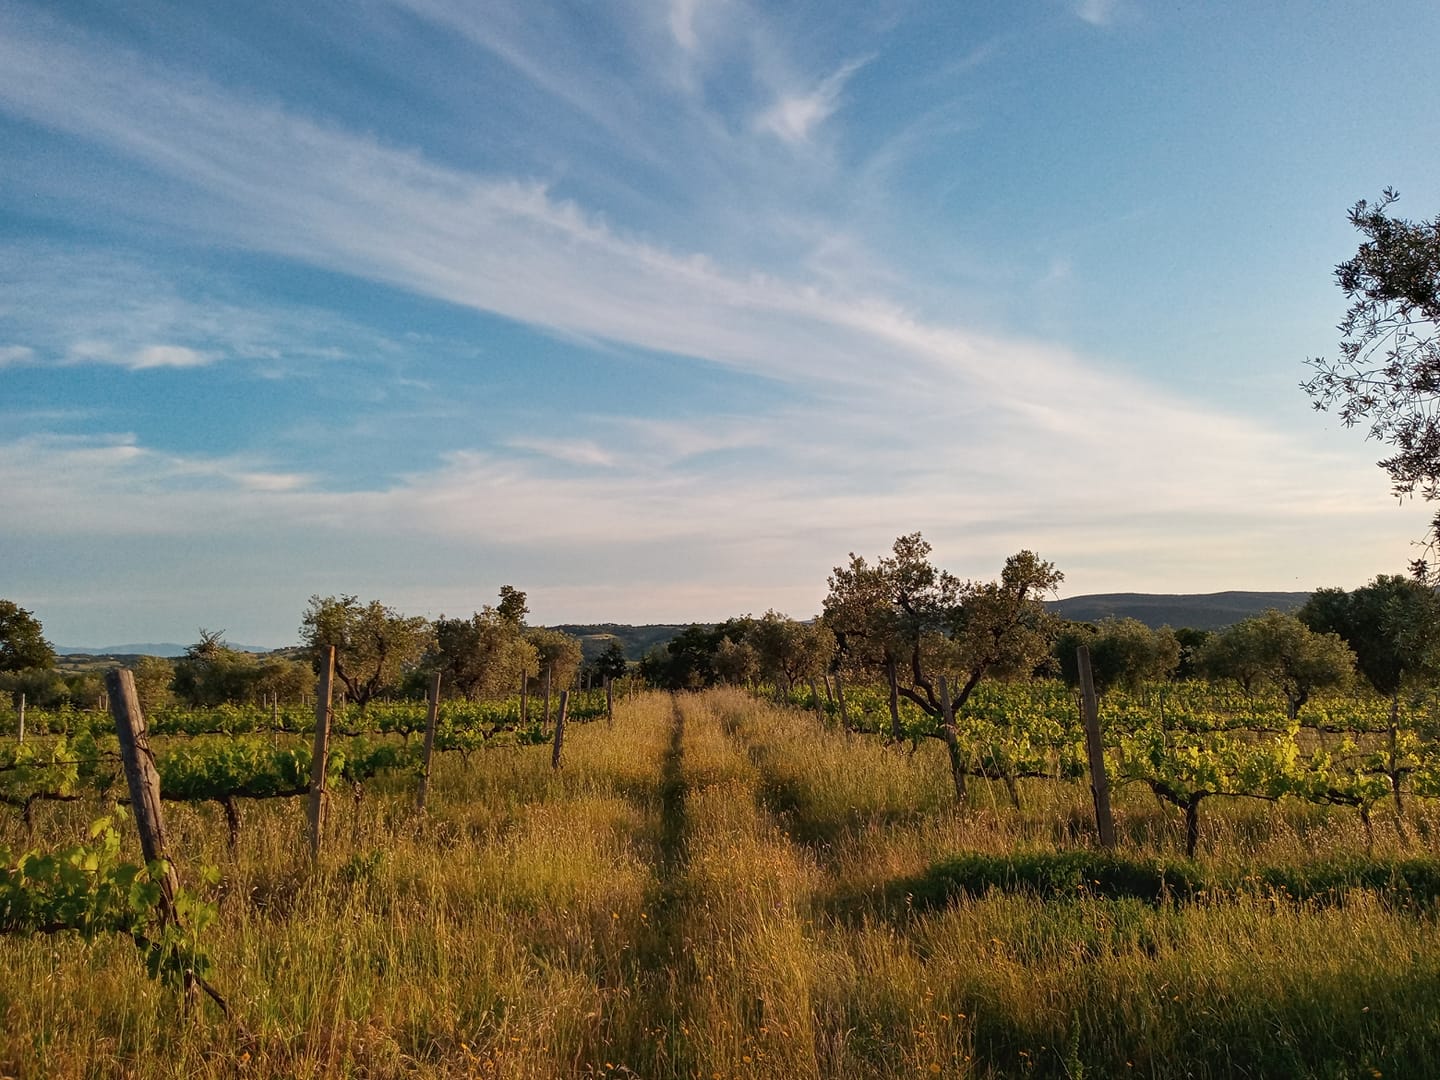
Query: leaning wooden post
609, 701
22, 718
431, 720
560, 729
815, 697
1099, 783
143, 780
321, 752
952, 739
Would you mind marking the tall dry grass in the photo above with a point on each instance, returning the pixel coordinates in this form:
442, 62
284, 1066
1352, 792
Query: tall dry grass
717, 888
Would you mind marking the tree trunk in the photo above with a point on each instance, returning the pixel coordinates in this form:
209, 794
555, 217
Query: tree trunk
952, 741
897, 733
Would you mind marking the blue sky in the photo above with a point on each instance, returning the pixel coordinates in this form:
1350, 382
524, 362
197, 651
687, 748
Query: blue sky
659, 308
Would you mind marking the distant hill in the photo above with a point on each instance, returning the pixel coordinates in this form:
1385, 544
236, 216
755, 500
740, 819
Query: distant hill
163, 648
635, 640
1202, 611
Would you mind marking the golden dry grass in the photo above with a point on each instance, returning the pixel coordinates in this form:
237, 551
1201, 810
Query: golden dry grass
666, 906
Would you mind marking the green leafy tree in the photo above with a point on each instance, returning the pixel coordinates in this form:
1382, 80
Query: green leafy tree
513, 606
557, 657
1391, 624
479, 656
611, 663
912, 620
1123, 652
788, 651
374, 645
1388, 373
736, 663
22, 640
1279, 650
213, 673
153, 678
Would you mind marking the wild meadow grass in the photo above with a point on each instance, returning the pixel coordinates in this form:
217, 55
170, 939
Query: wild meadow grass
719, 888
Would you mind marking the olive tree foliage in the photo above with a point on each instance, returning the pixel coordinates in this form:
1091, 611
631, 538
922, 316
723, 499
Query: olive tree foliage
483, 655
22, 640
611, 663
555, 653
1278, 650
908, 621
1391, 624
1388, 372
735, 663
213, 673
788, 651
1123, 652
374, 645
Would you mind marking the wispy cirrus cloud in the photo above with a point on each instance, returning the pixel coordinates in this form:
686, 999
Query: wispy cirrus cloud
795, 116
1098, 12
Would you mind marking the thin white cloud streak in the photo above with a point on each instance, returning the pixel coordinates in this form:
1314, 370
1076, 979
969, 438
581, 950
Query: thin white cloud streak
146, 358
1098, 12
16, 354
794, 116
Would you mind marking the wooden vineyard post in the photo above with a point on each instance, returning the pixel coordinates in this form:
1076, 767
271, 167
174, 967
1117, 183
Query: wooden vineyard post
143, 780
560, 729
22, 718
815, 696
1099, 783
952, 739
321, 752
431, 720
609, 701
144, 783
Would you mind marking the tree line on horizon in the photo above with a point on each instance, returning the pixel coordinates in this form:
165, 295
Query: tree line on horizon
898, 622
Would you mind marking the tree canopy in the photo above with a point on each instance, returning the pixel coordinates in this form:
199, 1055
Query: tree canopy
1388, 372
1392, 624
374, 645
1279, 650
22, 640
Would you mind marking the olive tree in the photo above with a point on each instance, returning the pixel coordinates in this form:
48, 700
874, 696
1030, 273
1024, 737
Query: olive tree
1279, 650
1388, 373
374, 645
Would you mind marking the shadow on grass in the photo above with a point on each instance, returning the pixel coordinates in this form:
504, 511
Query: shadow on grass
1408, 884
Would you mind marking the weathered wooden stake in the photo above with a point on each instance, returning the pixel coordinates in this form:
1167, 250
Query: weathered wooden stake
609, 701
840, 700
431, 720
815, 696
952, 740
22, 718
321, 753
1099, 783
143, 780
560, 729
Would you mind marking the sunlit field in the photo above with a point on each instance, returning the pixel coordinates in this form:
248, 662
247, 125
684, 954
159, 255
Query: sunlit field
718, 887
